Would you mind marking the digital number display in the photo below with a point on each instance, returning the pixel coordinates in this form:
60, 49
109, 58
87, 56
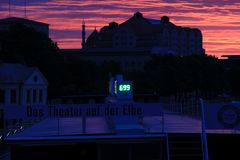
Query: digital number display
124, 87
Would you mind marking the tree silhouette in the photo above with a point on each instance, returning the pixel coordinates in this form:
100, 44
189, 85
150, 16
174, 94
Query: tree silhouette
170, 74
21, 44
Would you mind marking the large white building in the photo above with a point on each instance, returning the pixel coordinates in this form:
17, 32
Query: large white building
22, 85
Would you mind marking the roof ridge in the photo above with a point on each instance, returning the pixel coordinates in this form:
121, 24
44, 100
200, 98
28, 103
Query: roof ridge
23, 19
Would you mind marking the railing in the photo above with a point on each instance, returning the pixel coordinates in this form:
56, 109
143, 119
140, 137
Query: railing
10, 131
16, 128
190, 108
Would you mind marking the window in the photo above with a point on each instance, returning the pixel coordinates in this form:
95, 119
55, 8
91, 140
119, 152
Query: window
13, 96
14, 122
40, 95
28, 96
2, 96
1, 119
34, 96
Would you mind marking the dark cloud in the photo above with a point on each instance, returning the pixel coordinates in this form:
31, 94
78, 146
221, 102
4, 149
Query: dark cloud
22, 2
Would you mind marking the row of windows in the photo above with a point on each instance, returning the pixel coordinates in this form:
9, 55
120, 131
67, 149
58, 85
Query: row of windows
162, 43
34, 96
13, 96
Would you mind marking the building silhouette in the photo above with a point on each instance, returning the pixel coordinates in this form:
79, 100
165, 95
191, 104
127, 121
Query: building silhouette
132, 43
140, 34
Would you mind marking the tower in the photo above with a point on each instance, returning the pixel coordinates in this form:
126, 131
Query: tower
83, 34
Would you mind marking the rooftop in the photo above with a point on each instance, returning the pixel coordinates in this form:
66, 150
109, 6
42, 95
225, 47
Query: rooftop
14, 73
20, 20
100, 128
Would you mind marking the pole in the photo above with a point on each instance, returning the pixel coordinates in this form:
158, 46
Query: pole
204, 135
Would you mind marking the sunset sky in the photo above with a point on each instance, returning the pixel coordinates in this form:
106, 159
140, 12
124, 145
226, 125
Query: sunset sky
219, 20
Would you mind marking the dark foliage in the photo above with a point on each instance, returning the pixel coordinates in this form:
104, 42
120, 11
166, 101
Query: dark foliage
24, 45
164, 75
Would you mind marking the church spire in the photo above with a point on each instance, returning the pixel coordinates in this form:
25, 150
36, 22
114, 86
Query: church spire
83, 34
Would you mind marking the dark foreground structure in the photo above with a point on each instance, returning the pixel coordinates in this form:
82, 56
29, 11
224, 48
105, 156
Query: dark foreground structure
123, 129
171, 136
184, 146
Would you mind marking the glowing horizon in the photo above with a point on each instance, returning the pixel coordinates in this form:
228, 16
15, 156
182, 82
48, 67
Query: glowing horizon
218, 20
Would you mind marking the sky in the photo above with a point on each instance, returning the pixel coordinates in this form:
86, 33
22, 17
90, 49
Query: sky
219, 20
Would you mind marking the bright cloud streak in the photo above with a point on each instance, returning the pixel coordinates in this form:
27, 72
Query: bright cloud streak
218, 19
